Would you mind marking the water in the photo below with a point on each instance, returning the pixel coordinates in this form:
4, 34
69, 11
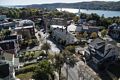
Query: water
99, 12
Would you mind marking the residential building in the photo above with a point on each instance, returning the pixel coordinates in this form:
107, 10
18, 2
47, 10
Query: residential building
74, 28
60, 34
27, 32
56, 21
82, 21
4, 71
26, 29
101, 52
2, 17
10, 43
82, 28
23, 23
90, 29
9, 48
7, 25
114, 31
92, 22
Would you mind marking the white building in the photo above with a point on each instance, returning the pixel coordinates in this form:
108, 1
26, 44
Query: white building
73, 28
25, 23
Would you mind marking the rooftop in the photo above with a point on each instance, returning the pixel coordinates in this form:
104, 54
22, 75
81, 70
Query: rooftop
74, 28
11, 37
26, 23
57, 26
24, 27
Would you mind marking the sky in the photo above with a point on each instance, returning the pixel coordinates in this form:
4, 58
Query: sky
27, 2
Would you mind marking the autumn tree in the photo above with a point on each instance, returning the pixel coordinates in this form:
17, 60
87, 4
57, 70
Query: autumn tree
94, 35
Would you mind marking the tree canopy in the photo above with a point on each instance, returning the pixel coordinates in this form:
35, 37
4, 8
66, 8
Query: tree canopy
43, 71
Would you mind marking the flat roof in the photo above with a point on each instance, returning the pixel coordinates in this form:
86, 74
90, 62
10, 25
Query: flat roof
57, 26
24, 27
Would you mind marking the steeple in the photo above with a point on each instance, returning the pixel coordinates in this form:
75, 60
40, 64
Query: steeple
78, 14
79, 11
61, 9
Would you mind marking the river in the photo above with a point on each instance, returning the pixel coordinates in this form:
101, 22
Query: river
99, 12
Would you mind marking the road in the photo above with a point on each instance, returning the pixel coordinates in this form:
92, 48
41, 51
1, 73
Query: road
44, 38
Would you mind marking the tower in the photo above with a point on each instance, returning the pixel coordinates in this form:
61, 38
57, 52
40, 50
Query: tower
79, 11
61, 9
78, 14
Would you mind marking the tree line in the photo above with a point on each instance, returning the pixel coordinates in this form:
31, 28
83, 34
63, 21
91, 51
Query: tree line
25, 13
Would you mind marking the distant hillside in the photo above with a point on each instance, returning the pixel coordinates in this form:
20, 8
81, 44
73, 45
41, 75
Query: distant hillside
96, 5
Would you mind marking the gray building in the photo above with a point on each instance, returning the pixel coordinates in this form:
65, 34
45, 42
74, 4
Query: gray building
101, 52
2, 17
114, 31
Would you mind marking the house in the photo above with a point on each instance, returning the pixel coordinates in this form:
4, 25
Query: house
82, 28
56, 21
7, 23
9, 48
114, 70
101, 52
25, 28
114, 31
74, 28
92, 22
82, 21
2, 17
25, 23
60, 34
89, 29
10, 43
4, 71
26, 31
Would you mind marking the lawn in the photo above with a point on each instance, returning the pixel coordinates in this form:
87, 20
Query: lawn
26, 72
25, 76
35, 53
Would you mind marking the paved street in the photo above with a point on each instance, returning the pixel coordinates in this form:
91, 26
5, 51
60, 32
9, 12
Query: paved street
54, 48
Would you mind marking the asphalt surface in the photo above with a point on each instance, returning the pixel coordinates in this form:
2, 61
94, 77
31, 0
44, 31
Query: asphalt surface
45, 38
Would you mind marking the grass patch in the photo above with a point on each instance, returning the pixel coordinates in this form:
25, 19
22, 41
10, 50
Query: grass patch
25, 76
34, 53
29, 66
26, 69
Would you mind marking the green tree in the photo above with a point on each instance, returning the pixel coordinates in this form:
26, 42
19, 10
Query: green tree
70, 48
76, 18
69, 59
5, 32
85, 35
32, 55
64, 57
46, 47
59, 61
44, 71
103, 33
